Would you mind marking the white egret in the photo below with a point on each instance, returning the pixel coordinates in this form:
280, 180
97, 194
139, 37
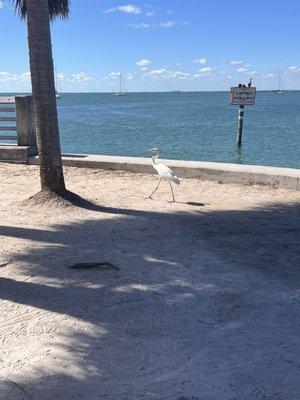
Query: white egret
164, 172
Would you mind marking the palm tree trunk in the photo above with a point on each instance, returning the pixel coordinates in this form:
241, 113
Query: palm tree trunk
43, 91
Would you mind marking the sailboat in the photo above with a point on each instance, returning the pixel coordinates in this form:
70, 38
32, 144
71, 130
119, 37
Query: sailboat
280, 86
57, 86
122, 89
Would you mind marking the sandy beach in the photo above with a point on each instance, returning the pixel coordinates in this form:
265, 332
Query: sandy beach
203, 300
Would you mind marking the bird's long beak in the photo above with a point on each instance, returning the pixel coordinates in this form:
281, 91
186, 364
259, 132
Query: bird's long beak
154, 149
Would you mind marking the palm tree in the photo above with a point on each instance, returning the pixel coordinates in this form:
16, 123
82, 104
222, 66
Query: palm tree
38, 14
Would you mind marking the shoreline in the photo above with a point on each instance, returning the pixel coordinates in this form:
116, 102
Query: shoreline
288, 178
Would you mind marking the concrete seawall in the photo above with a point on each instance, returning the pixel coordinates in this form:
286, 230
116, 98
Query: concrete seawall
288, 178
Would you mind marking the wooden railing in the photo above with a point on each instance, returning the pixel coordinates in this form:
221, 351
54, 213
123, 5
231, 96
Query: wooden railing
7, 107
18, 109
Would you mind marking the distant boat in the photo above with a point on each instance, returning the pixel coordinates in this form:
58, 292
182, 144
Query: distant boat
57, 86
122, 88
280, 86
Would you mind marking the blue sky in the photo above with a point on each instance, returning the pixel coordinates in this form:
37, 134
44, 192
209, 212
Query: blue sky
162, 45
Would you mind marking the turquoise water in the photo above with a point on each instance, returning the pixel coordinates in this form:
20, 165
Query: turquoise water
190, 126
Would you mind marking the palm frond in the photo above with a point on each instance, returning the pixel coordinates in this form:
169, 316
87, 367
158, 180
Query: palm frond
57, 8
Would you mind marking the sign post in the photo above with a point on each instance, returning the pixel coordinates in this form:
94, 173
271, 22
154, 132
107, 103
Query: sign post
241, 96
240, 125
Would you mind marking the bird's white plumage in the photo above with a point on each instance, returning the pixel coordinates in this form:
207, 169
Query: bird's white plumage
165, 172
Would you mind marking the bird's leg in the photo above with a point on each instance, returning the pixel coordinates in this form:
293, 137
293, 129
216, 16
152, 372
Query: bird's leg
172, 192
150, 197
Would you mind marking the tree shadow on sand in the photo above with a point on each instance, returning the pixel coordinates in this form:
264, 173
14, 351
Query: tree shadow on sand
204, 305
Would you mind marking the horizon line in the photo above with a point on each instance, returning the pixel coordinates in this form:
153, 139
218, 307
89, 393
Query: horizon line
157, 91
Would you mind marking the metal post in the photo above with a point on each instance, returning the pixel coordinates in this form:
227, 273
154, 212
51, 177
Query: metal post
240, 125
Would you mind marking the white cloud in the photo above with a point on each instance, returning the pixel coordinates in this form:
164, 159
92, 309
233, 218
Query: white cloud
236, 62
15, 79
200, 61
80, 77
267, 75
1, 4
165, 73
198, 75
241, 70
113, 74
293, 69
170, 12
150, 10
22, 81
247, 72
146, 25
61, 76
142, 25
206, 70
163, 24
156, 72
128, 9
167, 24
143, 62
179, 74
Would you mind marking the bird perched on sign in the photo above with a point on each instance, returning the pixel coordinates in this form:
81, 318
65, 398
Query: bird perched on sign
164, 172
250, 83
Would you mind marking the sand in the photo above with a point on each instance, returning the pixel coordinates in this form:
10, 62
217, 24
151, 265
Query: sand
204, 301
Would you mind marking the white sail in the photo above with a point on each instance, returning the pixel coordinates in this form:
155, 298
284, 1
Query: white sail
280, 86
122, 88
57, 86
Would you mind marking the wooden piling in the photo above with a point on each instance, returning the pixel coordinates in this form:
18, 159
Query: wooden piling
25, 121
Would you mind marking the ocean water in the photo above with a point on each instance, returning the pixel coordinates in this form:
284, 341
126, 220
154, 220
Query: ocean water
191, 126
